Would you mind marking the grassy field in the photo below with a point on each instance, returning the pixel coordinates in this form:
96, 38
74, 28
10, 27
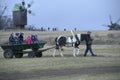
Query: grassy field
108, 56
105, 66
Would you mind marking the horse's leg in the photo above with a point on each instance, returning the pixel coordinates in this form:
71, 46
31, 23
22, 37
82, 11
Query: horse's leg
54, 52
74, 52
78, 50
60, 52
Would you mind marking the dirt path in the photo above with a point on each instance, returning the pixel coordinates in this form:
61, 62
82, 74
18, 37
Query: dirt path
66, 72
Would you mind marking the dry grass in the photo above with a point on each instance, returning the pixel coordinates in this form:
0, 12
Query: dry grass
100, 37
108, 56
106, 76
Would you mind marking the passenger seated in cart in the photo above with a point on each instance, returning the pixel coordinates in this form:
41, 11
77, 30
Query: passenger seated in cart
34, 38
28, 40
21, 38
11, 39
16, 38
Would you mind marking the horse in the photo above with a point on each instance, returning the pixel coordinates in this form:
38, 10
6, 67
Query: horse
61, 41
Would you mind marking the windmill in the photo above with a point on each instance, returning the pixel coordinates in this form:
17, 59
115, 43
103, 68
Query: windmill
20, 11
113, 25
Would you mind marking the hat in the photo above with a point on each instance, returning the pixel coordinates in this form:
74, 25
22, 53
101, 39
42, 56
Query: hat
16, 33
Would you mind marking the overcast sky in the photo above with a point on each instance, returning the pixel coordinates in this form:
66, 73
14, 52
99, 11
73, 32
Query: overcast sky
82, 14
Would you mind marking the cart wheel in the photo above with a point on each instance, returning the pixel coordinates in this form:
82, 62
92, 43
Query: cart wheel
18, 55
8, 53
39, 54
31, 54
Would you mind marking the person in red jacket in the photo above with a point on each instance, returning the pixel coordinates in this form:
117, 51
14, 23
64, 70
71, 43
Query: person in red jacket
28, 40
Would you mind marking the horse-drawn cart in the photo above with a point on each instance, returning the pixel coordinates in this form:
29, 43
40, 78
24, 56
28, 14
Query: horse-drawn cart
18, 50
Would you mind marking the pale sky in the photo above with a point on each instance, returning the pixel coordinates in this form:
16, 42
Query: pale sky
82, 14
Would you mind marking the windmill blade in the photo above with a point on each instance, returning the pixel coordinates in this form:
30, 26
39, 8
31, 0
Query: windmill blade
29, 5
32, 2
30, 12
118, 20
23, 2
105, 25
110, 19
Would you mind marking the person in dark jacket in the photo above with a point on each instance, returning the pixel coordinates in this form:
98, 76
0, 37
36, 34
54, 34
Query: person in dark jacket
21, 38
89, 45
11, 39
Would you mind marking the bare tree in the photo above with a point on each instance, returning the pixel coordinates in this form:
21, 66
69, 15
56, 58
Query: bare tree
2, 10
